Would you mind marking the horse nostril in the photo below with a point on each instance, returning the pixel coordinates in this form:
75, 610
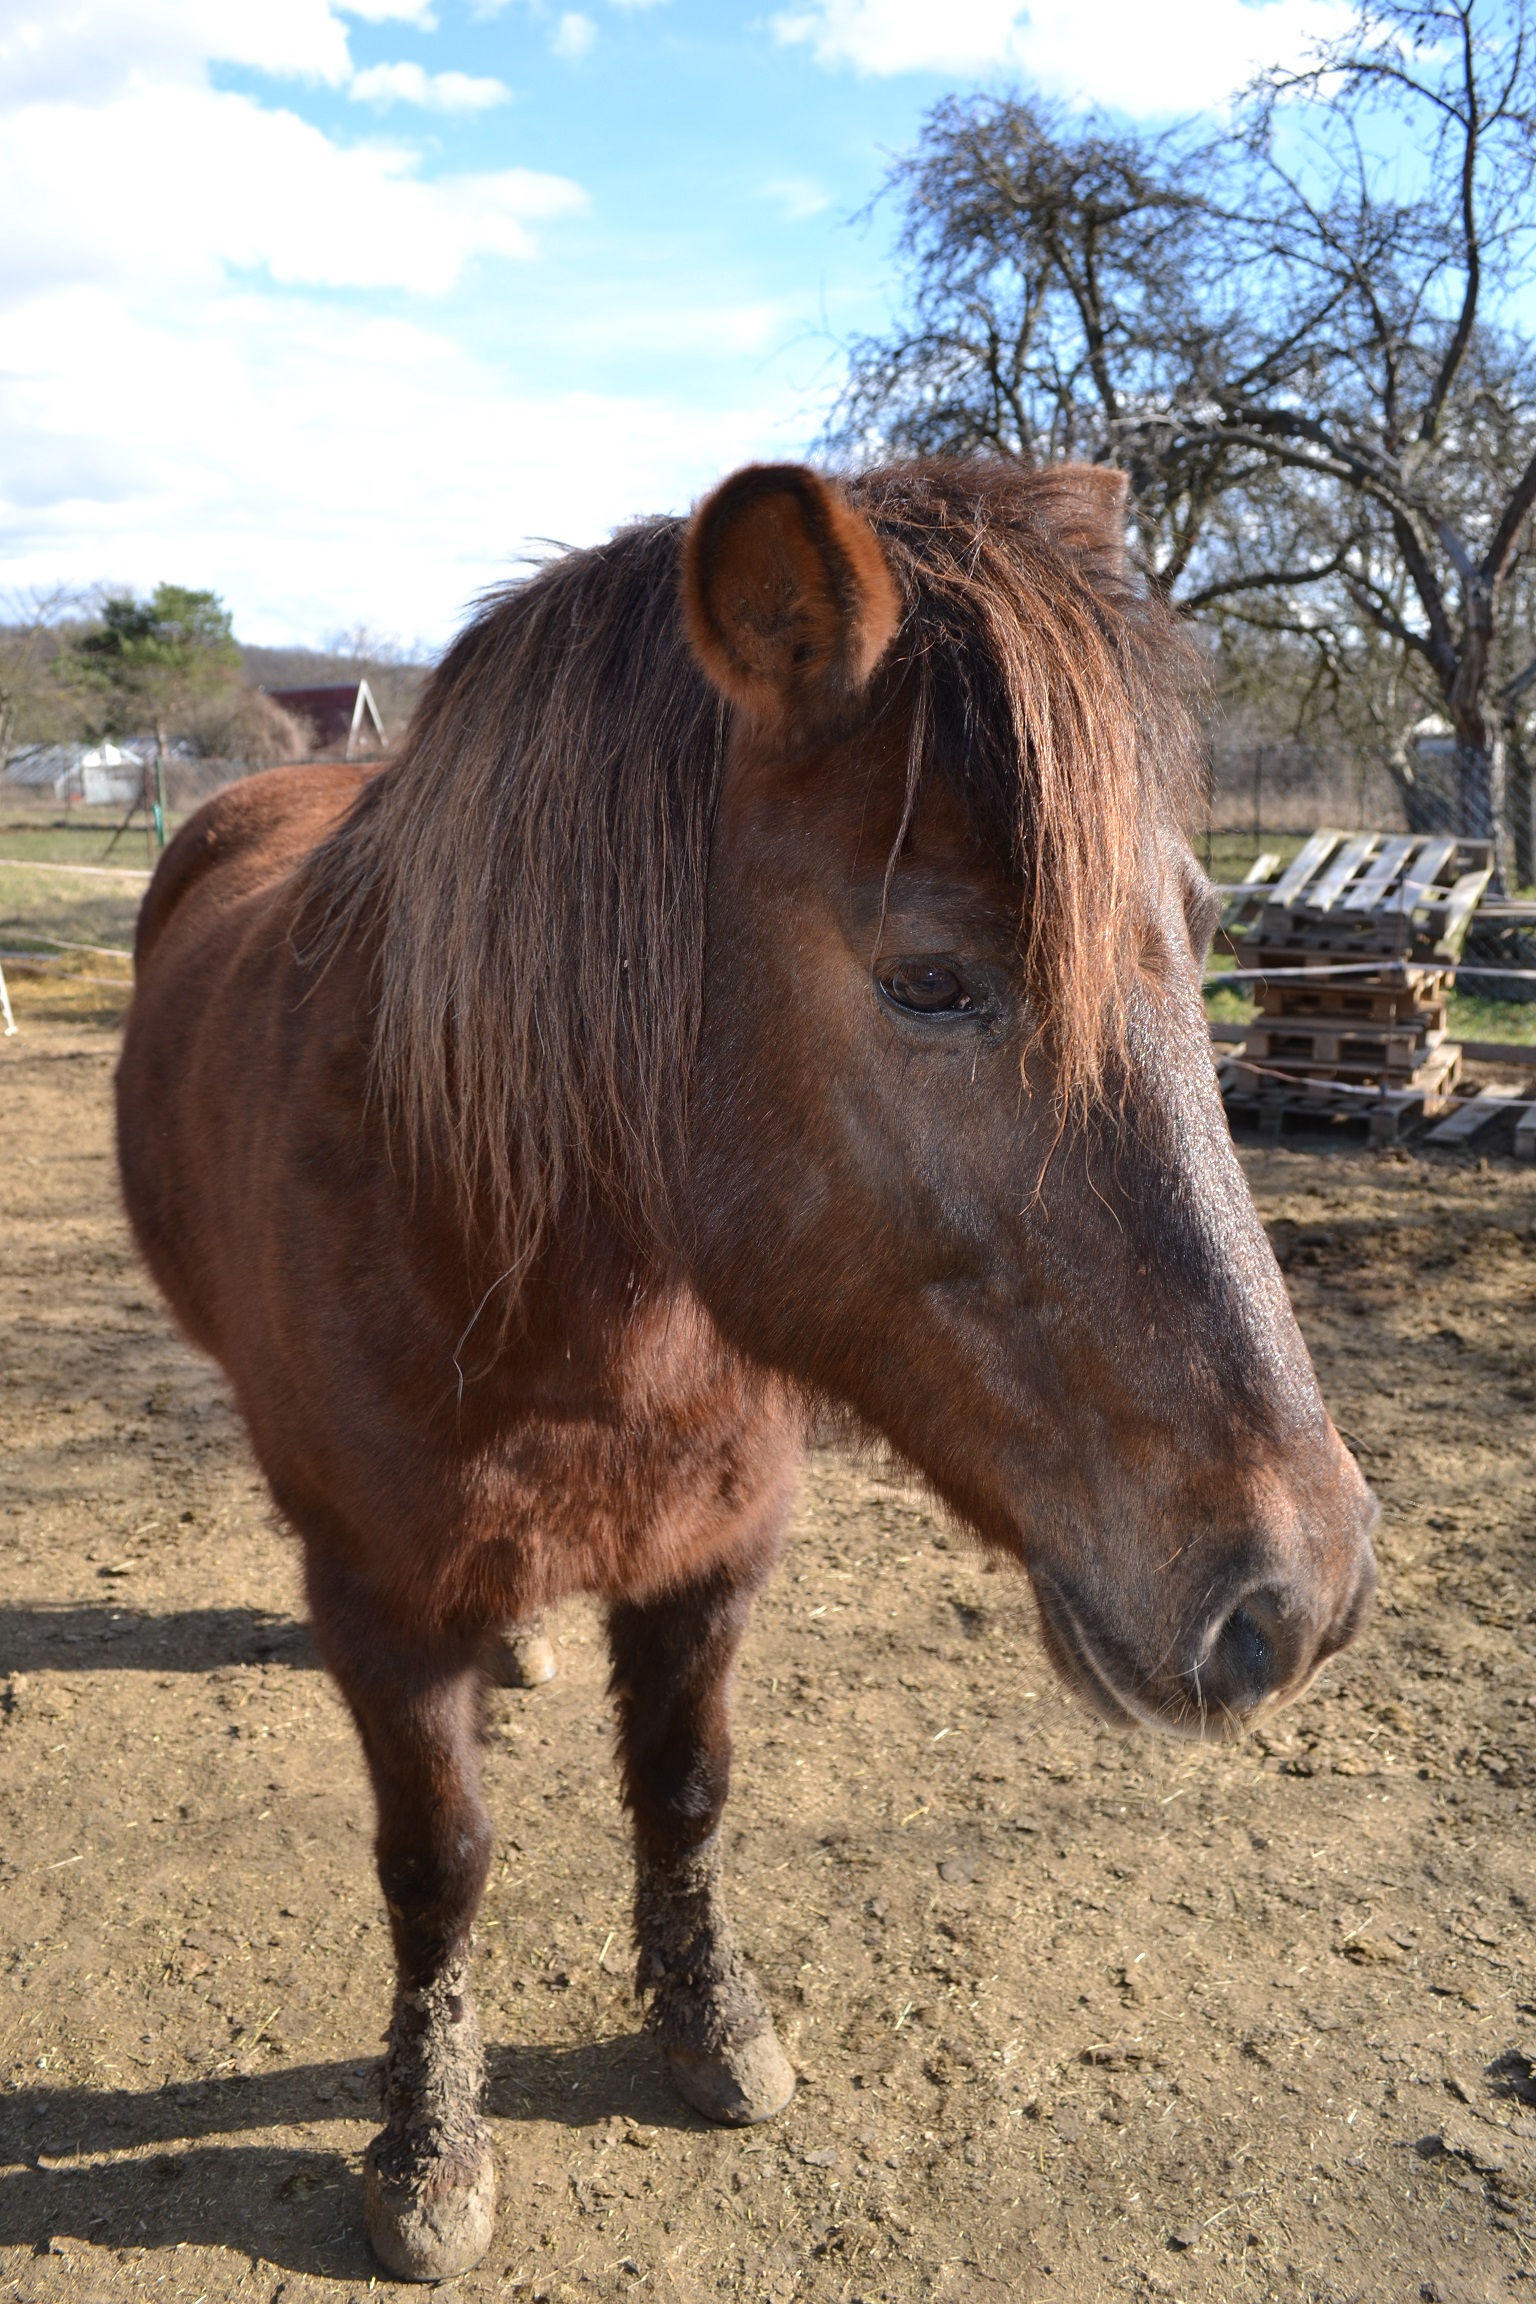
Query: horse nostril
1246, 1650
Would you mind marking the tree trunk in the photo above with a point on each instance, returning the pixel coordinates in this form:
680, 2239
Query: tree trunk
1425, 808
1474, 791
1520, 792
1480, 810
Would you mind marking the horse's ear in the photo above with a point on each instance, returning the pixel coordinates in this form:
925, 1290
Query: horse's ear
789, 601
1085, 508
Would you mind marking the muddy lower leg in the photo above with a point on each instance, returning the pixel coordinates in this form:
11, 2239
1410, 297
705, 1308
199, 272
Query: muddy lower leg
429, 2178
671, 1666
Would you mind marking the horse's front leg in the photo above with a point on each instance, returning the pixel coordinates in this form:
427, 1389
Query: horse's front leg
429, 2176
671, 1676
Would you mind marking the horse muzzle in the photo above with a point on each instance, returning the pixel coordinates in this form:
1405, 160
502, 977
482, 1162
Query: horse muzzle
1254, 1652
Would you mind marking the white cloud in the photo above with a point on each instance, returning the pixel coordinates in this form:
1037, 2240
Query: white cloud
85, 51
383, 84
1117, 52
799, 197
417, 12
225, 454
904, 35
205, 369
272, 192
573, 36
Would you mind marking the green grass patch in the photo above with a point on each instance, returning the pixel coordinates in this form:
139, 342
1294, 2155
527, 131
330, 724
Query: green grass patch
1471, 1018
1233, 852
43, 833
36, 906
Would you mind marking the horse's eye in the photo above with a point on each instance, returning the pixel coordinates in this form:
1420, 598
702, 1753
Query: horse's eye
926, 988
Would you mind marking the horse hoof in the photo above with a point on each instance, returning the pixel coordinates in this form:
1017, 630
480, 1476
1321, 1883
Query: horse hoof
736, 2086
523, 1660
437, 2219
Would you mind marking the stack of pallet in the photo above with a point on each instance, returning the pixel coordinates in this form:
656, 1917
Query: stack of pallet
1375, 923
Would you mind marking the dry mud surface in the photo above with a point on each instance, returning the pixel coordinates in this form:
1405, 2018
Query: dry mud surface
1078, 2015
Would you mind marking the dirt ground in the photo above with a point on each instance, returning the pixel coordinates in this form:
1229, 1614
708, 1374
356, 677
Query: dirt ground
1079, 2015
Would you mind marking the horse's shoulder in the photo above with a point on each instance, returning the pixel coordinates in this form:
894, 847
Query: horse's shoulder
264, 825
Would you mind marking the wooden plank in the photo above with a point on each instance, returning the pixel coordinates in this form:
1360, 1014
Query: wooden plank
1459, 908
1475, 1113
1241, 899
1418, 884
1330, 885
1391, 1116
1372, 887
1525, 1134
1301, 868
1342, 936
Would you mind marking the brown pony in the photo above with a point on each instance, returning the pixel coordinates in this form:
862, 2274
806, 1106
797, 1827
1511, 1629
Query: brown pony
768, 978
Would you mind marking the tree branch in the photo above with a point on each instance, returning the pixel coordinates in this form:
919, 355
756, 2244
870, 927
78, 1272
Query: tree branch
1507, 533
1461, 335
1272, 580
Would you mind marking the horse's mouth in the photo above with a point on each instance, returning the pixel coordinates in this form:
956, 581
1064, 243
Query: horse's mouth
1073, 1655
1176, 1710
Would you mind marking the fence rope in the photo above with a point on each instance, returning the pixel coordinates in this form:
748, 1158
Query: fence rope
1219, 977
95, 871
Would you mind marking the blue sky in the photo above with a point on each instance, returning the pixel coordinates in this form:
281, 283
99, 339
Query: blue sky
337, 308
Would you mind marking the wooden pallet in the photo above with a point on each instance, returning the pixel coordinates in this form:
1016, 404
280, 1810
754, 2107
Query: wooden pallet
1435, 1070
1249, 1082
1372, 1004
1377, 921
1386, 1110
1475, 1112
1363, 894
1245, 1082
1341, 1046
1398, 1002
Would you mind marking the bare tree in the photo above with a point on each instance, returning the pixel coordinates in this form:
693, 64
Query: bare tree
1303, 340
1050, 266
35, 707
1394, 380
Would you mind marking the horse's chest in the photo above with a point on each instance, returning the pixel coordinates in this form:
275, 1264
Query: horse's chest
619, 1505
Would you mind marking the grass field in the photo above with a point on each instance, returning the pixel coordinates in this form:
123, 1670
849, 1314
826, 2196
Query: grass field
50, 915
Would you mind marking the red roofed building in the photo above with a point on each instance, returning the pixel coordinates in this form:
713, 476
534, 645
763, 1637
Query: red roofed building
344, 716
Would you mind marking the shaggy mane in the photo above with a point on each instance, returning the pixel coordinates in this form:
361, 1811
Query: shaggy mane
530, 874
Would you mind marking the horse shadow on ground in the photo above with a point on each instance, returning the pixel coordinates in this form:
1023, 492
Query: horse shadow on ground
122, 1640
120, 2169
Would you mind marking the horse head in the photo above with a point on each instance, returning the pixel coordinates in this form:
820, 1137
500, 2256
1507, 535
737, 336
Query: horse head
957, 1158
